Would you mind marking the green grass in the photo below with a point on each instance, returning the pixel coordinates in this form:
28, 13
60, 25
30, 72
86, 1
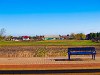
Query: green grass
50, 42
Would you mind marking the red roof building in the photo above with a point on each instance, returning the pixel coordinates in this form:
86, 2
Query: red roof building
25, 37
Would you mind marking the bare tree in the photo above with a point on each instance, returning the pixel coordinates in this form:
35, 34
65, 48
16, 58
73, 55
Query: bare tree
2, 31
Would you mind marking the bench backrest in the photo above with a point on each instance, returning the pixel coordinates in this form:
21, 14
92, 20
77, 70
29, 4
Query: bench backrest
84, 49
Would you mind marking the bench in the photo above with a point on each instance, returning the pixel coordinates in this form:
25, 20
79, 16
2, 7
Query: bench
82, 51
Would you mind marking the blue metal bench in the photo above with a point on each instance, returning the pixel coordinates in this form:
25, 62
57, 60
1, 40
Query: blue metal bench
82, 51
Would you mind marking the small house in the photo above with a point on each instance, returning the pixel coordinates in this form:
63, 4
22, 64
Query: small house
64, 37
15, 39
25, 38
51, 37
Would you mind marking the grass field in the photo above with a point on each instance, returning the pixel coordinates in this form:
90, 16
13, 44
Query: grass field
50, 42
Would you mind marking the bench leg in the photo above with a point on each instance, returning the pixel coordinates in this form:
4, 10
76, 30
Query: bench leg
92, 56
68, 56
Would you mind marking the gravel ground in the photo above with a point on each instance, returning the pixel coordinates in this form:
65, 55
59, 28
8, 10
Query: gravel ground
51, 60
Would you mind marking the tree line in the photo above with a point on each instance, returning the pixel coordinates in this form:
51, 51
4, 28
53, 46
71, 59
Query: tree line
93, 36
77, 36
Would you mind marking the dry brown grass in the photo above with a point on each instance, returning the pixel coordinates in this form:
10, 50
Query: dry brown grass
36, 51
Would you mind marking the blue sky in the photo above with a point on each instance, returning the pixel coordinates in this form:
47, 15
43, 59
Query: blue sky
49, 17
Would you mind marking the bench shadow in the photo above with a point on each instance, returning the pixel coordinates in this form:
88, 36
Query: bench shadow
75, 59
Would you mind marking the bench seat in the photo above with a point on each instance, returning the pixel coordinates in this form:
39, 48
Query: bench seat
81, 53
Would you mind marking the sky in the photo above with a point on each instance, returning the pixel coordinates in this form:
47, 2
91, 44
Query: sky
49, 17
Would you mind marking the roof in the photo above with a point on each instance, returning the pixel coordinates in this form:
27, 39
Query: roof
25, 36
51, 36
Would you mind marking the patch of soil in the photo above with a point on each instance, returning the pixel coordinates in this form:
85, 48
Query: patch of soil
52, 66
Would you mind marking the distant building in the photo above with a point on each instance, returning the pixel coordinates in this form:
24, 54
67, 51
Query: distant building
39, 38
51, 37
25, 38
16, 39
64, 37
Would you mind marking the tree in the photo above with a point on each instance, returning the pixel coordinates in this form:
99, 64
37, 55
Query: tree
83, 36
2, 31
91, 36
80, 36
72, 36
94, 35
77, 36
98, 34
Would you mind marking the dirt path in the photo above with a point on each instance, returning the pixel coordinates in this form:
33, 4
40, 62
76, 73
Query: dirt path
52, 60
49, 63
50, 66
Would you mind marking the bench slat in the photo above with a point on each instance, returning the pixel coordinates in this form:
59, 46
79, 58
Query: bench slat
81, 53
